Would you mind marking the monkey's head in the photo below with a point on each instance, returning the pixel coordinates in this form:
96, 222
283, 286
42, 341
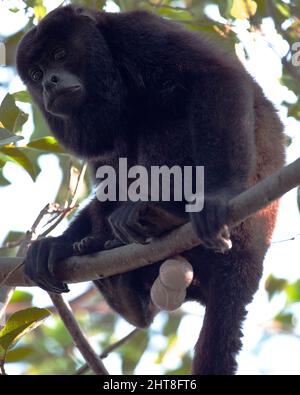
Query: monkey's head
68, 69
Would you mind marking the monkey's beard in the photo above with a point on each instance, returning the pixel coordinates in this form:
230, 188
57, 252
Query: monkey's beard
64, 102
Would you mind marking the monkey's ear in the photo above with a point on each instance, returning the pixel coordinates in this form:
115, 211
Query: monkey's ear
85, 12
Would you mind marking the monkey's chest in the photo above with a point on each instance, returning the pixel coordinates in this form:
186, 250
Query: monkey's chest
165, 144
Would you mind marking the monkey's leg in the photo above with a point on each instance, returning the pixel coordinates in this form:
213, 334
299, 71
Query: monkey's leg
231, 288
129, 295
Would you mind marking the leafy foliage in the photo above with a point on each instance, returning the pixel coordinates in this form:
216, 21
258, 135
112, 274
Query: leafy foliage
17, 326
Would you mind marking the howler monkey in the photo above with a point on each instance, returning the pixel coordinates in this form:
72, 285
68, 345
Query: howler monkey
136, 86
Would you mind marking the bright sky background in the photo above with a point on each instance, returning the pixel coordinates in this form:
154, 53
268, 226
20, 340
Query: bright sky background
22, 201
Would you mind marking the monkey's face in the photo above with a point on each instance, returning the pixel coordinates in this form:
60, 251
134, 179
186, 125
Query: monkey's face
55, 60
60, 91
69, 70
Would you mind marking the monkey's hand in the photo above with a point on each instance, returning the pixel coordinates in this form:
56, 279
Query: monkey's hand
138, 222
128, 223
88, 245
210, 223
40, 261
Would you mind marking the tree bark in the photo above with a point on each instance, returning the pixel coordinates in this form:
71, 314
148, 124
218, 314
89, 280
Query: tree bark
133, 256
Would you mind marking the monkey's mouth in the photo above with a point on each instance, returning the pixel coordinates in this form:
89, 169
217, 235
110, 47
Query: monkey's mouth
61, 100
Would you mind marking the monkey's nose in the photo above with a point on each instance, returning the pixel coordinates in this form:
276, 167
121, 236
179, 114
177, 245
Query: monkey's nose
51, 82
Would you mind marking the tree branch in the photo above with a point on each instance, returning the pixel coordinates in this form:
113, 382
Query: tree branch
133, 256
109, 349
80, 341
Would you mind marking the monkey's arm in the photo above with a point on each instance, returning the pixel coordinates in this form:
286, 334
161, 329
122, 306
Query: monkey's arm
44, 254
223, 133
137, 222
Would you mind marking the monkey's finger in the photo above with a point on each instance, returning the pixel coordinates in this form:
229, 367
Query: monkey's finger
114, 223
53, 286
225, 233
125, 233
140, 227
88, 245
40, 273
211, 221
36, 267
126, 225
45, 279
223, 244
110, 244
141, 232
118, 233
136, 234
199, 225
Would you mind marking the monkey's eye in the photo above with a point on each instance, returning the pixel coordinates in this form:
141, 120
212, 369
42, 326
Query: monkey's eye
36, 75
59, 54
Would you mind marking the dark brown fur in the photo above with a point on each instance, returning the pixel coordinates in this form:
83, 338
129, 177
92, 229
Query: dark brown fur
160, 95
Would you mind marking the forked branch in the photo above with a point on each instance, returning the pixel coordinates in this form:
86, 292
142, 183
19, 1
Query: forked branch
133, 256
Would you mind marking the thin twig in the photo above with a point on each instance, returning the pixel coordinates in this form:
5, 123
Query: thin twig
29, 236
64, 213
73, 204
6, 292
79, 184
108, 350
79, 339
2, 368
40, 217
285, 240
68, 193
11, 273
11, 244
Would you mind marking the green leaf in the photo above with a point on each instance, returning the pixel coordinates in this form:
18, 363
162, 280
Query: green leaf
14, 9
47, 143
3, 181
180, 15
19, 354
21, 297
11, 117
243, 9
11, 44
13, 236
286, 319
21, 119
283, 9
57, 333
172, 341
293, 109
185, 368
290, 82
19, 324
225, 8
22, 96
293, 292
16, 155
39, 11
172, 325
274, 285
133, 350
9, 112
41, 128
8, 138
262, 8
